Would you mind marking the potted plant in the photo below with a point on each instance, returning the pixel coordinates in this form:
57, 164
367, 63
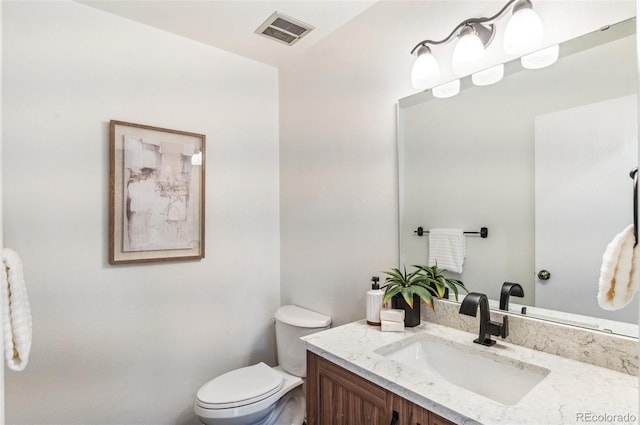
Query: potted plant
405, 290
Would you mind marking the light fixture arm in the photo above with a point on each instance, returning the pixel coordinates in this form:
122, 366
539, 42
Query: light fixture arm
472, 22
523, 34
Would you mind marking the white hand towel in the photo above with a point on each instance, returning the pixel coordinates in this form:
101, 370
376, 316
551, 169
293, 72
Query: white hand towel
619, 271
447, 249
16, 313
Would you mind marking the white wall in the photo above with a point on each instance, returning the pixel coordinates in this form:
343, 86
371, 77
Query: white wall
132, 344
1, 227
338, 141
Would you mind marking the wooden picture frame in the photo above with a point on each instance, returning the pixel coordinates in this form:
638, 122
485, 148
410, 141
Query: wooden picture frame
156, 194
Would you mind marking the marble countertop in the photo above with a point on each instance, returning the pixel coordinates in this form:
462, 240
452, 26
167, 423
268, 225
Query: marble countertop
572, 392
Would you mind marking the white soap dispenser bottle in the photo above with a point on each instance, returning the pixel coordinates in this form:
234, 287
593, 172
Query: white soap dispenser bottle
374, 302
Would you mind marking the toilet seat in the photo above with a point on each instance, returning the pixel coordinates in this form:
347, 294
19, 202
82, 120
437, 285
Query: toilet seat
240, 387
212, 413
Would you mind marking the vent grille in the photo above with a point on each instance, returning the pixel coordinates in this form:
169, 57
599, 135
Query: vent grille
283, 29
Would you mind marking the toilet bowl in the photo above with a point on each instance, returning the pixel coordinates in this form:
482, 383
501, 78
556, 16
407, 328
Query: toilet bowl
259, 394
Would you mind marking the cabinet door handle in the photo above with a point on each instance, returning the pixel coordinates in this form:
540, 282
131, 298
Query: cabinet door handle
394, 418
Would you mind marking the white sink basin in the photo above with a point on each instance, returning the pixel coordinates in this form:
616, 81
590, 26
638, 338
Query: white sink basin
478, 369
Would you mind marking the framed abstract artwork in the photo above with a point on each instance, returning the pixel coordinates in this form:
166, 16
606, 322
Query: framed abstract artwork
156, 194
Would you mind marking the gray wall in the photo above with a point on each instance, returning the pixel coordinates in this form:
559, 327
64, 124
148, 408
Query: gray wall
131, 344
338, 141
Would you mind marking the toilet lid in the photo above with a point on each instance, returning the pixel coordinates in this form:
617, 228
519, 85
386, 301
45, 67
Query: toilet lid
240, 387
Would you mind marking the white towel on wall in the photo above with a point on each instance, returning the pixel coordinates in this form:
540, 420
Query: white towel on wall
16, 313
619, 271
447, 249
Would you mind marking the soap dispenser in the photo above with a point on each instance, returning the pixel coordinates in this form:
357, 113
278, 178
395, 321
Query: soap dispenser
374, 302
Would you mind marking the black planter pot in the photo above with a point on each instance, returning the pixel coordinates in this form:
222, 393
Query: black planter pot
411, 315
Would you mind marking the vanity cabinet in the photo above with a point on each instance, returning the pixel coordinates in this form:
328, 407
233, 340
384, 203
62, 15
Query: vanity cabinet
336, 396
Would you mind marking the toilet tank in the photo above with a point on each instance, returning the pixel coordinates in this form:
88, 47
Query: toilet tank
292, 322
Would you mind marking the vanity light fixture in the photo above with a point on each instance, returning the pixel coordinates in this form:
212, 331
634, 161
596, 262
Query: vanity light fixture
488, 76
426, 71
445, 90
469, 49
541, 58
523, 33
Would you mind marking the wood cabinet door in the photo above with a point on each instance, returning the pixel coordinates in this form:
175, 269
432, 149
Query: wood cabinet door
437, 420
409, 413
336, 396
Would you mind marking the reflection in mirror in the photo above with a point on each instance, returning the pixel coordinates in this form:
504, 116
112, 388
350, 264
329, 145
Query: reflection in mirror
542, 159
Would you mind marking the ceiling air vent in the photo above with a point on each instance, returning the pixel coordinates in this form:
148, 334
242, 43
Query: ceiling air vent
284, 29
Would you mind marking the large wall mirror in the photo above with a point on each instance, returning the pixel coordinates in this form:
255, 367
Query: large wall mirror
542, 159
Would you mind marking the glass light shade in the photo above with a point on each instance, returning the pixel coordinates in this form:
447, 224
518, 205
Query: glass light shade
541, 58
488, 76
425, 72
468, 50
523, 32
449, 89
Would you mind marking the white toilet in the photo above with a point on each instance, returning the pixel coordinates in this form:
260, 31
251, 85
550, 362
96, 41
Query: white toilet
259, 394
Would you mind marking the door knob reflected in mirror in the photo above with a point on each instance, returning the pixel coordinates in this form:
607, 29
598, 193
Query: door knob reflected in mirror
544, 275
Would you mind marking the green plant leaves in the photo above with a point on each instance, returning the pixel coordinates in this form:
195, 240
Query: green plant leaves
425, 281
390, 293
424, 294
453, 284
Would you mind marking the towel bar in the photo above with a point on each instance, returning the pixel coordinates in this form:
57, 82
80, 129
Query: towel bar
484, 232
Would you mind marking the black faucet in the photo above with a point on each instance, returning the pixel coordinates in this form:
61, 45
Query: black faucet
469, 307
509, 288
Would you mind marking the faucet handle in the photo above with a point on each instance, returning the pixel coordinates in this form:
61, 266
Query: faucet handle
499, 329
504, 329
